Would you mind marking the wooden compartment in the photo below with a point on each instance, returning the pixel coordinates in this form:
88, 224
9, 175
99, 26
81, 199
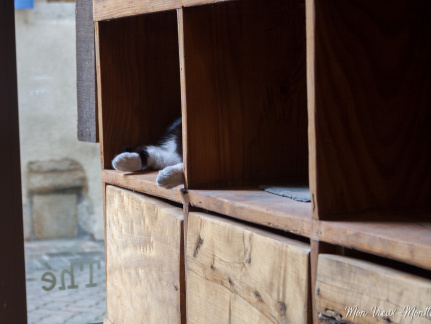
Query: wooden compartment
144, 259
244, 93
138, 80
356, 291
369, 75
240, 274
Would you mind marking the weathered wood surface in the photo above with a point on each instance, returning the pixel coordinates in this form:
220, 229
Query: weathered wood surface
144, 182
138, 81
245, 92
257, 206
143, 259
86, 72
402, 241
317, 248
12, 270
183, 86
344, 282
109, 9
406, 242
252, 205
369, 79
239, 274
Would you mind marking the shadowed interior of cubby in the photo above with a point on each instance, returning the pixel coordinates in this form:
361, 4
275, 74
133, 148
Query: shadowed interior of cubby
372, 109
245, 91
139, 80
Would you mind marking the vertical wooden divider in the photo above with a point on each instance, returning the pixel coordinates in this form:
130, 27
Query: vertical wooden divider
186, 210
99, 93
186, 160
317, 248
309, 26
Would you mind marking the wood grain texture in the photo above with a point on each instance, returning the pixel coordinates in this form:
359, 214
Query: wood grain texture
343, 282
310, 33
139, 80
372, 75
144, 240
405, 242
248, 204
317, 248
12, 270
184, 111
109, 9
86, 72
245, 93
239, 274
144, 182
256, 206
408, 242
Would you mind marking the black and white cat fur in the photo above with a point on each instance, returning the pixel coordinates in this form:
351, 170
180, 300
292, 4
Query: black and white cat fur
167, 157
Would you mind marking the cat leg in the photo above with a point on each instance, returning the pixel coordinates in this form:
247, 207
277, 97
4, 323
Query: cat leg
171, 176
131, 161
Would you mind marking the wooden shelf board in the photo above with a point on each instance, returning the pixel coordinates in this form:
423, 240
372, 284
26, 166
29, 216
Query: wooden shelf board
257, 206
144, 182
110, 9
251, 205
405, 242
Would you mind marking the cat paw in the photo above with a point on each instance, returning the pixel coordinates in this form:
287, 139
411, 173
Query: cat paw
171, 176
127, 162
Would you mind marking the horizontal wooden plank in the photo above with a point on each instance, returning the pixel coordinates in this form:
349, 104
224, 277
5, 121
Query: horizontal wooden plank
354, 291
248, 204
257, 206
240, 274
406, 242
144, 182
109, 9
143, 259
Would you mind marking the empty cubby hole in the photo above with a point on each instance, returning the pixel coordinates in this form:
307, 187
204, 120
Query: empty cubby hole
372, 73
246, 105
139, 80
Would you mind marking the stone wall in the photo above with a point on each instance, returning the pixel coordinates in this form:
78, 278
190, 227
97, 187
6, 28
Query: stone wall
46, 61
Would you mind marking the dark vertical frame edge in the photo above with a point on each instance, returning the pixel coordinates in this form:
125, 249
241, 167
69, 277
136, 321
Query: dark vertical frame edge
13, 308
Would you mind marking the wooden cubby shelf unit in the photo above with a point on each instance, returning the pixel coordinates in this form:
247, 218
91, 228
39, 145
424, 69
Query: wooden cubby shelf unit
331, 94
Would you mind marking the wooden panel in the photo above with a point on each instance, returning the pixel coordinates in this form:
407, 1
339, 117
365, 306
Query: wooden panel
344, 282
108, 9
239, 274
372, 73
139, 80
180, 19
405, 242
143, 259
12, 270
86, 72
246, 93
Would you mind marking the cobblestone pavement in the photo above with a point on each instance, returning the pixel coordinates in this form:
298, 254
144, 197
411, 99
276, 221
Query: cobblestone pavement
65, 281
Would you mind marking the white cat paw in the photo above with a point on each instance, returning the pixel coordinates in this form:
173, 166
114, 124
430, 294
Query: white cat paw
171, 176
127, 162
